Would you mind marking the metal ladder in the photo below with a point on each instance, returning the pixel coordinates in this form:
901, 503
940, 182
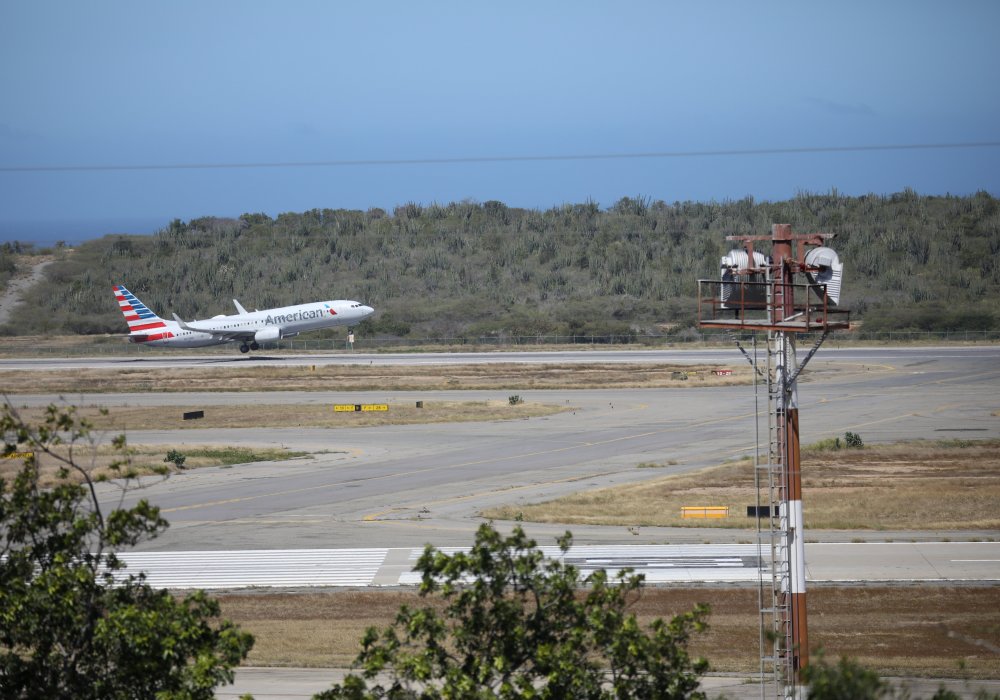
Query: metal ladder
777, 661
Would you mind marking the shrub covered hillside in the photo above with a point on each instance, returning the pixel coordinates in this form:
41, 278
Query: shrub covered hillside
473, 269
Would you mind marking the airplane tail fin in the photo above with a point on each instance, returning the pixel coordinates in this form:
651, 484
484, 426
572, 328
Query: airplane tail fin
138, 316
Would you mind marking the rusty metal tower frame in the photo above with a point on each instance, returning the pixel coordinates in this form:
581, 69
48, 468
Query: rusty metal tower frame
762, 294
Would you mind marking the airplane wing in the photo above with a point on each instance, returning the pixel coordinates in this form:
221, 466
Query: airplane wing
218, 334
239, 308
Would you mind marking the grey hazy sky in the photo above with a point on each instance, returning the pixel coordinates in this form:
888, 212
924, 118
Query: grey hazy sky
212, 82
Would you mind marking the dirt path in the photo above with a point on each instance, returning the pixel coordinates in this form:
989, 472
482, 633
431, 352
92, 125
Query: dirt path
11, 296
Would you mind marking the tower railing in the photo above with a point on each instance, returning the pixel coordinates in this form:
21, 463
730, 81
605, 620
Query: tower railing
750, 305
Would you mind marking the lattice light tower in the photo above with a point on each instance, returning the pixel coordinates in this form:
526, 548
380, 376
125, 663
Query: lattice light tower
761, 293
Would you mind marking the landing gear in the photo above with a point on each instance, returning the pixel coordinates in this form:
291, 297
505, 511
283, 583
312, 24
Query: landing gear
254, 346
245, 348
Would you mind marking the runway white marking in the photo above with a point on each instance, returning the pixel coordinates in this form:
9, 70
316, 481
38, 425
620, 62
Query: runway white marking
302, 568
249, 568
658, 563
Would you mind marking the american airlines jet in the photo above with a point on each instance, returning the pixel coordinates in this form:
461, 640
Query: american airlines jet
248, 328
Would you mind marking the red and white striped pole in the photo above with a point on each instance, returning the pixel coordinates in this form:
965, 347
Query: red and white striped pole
793, 527
788, 423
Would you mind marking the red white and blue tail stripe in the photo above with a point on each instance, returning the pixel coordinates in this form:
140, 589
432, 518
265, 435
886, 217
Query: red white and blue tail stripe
143, 325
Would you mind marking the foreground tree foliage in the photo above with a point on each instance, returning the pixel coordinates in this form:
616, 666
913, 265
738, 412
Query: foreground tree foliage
518, 625
73, 624
848, 680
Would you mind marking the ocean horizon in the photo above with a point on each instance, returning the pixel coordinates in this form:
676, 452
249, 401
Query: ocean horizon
76, 231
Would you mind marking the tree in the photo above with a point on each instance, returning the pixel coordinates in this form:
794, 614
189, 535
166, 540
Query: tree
515, 625
848, 680
72, 622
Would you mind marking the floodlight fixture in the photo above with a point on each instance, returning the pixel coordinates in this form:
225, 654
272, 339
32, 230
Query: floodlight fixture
823, 267
737, 270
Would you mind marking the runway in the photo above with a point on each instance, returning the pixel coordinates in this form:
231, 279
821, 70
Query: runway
922, 562
157, 360
301, 568
399, 487
143, 358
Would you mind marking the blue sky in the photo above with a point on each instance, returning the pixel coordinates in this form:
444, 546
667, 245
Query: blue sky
211, 82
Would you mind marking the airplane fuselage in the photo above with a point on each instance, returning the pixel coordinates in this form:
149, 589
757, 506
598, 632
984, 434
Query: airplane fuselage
172, 336
286, 321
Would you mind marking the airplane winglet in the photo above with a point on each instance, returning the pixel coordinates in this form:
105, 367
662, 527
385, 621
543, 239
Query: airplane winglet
181, 323
239, 307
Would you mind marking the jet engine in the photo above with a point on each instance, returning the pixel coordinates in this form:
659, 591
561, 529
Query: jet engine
270, 334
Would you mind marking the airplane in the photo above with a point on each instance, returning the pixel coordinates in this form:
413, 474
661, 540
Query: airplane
248, 328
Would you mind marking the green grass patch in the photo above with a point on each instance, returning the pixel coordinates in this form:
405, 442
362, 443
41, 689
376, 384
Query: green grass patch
959, 444
103, 462
240, 455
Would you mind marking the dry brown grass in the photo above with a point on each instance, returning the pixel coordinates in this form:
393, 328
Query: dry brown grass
895, 630
502, 376
914, 485
300, 415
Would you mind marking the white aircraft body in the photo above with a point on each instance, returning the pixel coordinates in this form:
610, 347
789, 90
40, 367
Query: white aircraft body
248, 328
